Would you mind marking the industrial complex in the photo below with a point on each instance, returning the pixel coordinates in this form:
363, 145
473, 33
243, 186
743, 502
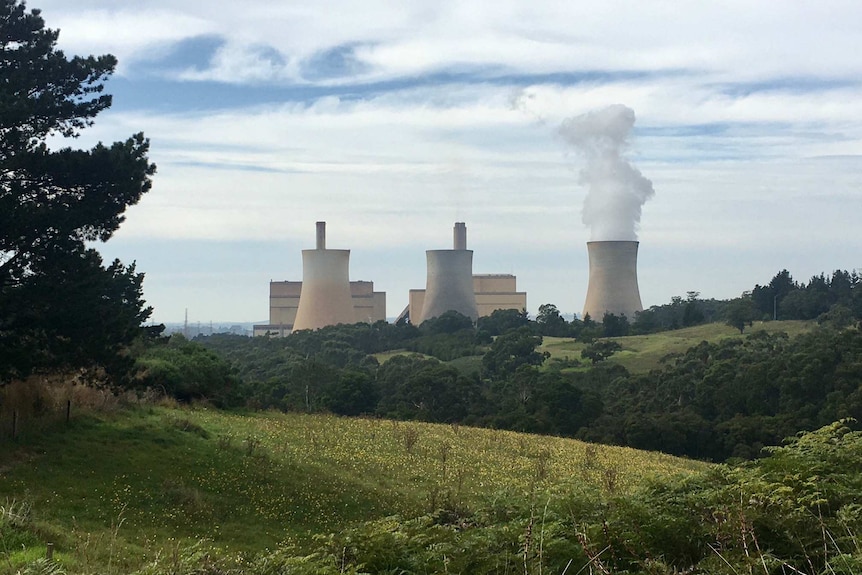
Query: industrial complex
326, 296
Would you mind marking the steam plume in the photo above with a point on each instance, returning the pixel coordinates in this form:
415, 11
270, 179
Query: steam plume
617, 190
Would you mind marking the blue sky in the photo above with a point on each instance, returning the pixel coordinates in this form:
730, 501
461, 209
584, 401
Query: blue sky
391, 121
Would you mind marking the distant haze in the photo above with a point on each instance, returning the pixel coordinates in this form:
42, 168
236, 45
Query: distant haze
616, 189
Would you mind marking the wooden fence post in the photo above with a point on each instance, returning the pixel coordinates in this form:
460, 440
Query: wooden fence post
49, 552
68, 410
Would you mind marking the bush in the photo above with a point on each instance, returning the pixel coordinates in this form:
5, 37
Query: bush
187, 371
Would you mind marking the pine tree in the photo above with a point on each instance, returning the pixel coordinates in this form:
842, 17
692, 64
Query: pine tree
60, 308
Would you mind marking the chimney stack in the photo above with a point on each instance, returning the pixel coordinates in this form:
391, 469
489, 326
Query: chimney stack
460, 233
321, 235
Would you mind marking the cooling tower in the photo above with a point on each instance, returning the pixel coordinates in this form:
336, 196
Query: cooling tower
613, 286
325, 297
449, 286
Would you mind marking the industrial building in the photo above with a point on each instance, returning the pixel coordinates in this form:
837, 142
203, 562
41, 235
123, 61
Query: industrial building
369, 305
452, 286
613, 283
449, 283
325, 297
492, 292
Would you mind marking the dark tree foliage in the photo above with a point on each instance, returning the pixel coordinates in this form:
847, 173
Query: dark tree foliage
354, 393
447, 323
692, 314
551, 323
731, 398
52, 201
740, 312
448, 346
599, 351
677, 314
512, 350
768, 298
535, 401
783, 298
615, 325
46, 332
645, 322
502, 320
187, 371
448, 336
427, 390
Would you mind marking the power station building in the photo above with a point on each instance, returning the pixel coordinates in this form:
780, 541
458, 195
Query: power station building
368, 305
452, 286
325, 296
449, 284
613, 283
492, 292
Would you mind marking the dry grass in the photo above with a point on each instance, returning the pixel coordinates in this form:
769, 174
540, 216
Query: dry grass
41, 401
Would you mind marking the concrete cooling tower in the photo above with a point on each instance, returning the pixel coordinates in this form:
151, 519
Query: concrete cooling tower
449, 285
613, 285
325, 298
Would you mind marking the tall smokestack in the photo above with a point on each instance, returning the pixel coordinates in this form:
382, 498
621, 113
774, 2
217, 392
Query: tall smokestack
449, 285
460, 234
321, 235
613, 286
325, 298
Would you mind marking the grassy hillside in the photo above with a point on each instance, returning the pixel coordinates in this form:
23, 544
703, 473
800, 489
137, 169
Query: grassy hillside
117, 489
642, 353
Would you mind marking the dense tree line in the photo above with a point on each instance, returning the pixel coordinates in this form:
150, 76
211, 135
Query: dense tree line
784, 298
332, 370
729, 399
716, 401
836, 299
188, 371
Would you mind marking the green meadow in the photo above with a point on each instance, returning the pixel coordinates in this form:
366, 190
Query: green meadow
641, 353
118, 489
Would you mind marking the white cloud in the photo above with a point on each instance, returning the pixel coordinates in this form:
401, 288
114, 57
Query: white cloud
726, 40
748, 180
131, 33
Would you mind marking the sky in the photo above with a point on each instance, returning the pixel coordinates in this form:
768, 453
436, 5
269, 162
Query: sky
393, 120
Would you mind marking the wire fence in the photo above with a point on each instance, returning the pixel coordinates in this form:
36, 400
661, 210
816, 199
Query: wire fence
46, 402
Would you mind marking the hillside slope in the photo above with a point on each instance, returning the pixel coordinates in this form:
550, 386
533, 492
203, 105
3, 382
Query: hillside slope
641, 353
123, 487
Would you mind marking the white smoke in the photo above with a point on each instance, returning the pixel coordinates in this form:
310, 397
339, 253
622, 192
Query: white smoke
616, 189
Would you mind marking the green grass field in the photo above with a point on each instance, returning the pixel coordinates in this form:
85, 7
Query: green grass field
641, 353
117, 489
